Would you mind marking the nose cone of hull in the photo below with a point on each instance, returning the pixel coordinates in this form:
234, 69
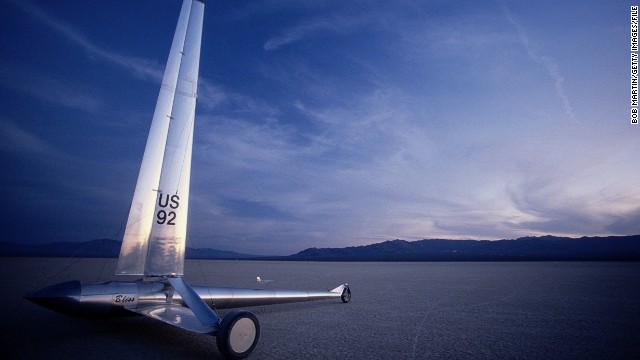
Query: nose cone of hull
63, 297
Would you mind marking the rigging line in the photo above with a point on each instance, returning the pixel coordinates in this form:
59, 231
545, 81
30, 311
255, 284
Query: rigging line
75, 259
123, 223
55, 274
149, 213
204, 278
117, 236
104, 264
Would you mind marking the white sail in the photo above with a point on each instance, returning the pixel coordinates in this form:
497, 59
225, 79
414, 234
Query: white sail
154, 239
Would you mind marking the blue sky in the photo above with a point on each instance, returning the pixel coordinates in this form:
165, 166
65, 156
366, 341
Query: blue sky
326, 123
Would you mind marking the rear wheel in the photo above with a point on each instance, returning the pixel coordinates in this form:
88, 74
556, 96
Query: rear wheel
346, 295
238, 334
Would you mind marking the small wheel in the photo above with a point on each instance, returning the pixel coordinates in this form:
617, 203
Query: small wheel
238, 334
346, 295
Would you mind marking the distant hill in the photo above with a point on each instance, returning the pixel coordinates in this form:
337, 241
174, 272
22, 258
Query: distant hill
102, 248
545, 248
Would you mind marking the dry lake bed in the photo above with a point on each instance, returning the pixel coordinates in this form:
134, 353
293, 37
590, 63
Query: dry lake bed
422, 310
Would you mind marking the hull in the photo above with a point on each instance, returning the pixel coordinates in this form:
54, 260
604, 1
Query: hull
227, 298
115, 298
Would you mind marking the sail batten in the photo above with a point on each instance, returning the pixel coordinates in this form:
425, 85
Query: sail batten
146, 231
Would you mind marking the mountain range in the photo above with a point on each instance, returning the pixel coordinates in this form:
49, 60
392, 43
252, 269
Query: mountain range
545, 248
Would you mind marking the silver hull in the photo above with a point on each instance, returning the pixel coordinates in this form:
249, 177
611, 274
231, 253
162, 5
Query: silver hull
111, 299
173, 301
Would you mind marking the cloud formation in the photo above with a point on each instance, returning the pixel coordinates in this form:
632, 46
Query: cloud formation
548, 62
47, 88
140, 67
317, 27
352, 123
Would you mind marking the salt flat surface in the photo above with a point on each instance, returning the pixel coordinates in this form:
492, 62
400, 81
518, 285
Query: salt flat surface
531, 310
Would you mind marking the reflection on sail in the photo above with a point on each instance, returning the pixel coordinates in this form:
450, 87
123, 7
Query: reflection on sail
130, 256
165, 253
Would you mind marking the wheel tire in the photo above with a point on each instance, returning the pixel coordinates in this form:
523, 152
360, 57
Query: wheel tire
238, 334
346, 295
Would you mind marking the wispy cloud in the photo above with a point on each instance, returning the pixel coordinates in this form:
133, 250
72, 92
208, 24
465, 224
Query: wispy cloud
140, 67
47, 88
349, 176
317, 27
551, 209
548, 62
210, 94
18, 140
300, 31
251, 9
